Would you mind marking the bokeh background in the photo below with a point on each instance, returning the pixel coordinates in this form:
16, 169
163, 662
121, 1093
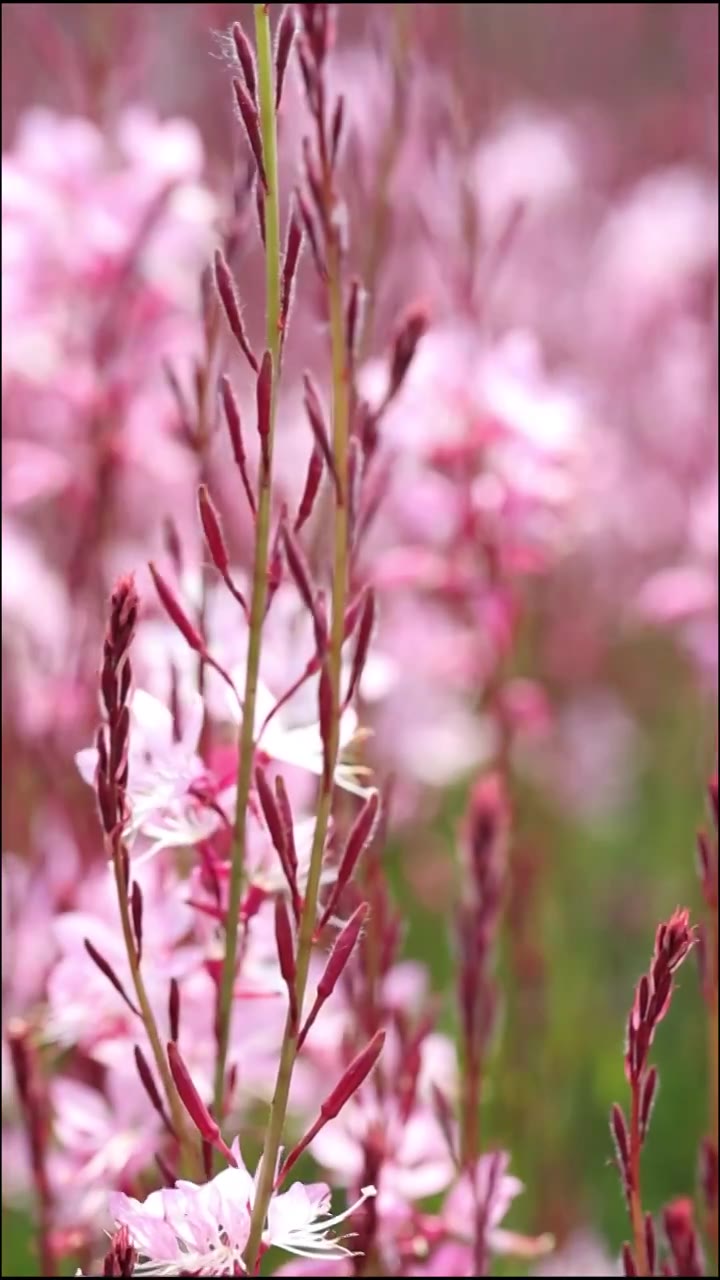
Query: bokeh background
607, 812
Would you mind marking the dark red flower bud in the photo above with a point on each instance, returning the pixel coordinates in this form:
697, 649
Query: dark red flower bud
212, 529
366, 628
293, 245
310, 492
361, 833
231, 306
246, 58
647, 1099
286, 954
107, 970
353, 1077
318, 425
232, 416
148, 1082
264, 393
174, 1010
136, 907
629, 1268
337, 960
619, 1129
283, 45
194, 1105
176, 613
251, 120
406, 342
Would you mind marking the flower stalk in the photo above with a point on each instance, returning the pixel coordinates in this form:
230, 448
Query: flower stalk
111, 783
653, 995
258, 600
331, 685
289, 1050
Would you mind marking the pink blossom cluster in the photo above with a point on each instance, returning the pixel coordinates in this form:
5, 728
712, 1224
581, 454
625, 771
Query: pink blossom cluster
307, 534
104, 239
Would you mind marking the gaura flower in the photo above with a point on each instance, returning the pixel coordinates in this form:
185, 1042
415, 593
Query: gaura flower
491, 1185
300, 745
203, 1229
162, 774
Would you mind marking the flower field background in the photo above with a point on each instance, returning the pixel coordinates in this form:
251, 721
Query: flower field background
496, 262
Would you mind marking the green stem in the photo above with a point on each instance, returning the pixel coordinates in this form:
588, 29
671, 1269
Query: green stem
288, 1054
189, 1155
266, 96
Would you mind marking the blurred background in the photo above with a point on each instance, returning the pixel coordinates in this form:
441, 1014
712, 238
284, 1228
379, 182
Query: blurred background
545, 175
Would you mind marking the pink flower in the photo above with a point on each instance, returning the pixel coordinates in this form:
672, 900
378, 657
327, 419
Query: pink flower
416, 1160
298, 1222
104, 1138
460, 1209
584, 1254
190, 1229
203, 1229
37, 627
162, 770
289, 735
263, 869
84, 1009
479, 1200
281, 738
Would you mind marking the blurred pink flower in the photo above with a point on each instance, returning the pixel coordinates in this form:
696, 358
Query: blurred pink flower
598, 734
164, 810
83, 1008
85, 1011
104, 1139
415, 1159
460, 1209
584, 1254
104, 239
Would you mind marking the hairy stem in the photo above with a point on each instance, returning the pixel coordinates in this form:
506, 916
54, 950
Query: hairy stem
266, 95
288, 1054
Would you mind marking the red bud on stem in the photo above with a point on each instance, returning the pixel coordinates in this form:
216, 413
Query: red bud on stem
148, 1082
231, 306
283, 45
361, 833
136, 909
207, 1127
246, 58
337, 960
353, 1077
108, 972
263, 394
312, 485
232, 416
286, 954
251, 120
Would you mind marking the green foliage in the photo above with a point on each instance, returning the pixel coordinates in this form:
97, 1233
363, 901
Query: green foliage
602, 892
18, 1258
